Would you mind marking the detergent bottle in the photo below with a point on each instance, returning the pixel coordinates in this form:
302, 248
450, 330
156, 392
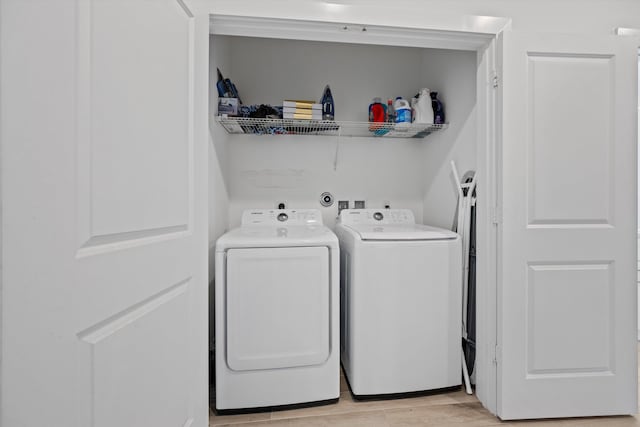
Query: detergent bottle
377, 111
377, 114
423, 108
391, 112
438, 109
403, 110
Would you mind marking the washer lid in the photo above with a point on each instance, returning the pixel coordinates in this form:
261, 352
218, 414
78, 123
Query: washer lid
401, 232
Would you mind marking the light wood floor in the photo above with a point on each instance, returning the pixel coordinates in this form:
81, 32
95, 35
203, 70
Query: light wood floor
442, 410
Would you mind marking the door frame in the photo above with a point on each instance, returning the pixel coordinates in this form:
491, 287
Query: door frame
452, 34
634, 32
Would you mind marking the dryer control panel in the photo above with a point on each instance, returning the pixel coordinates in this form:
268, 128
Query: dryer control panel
376, 216
280, 217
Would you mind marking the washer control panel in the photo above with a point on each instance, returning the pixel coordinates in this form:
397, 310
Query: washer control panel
376, 216
281, 217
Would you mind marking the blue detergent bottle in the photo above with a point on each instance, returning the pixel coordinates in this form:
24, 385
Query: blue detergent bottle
403, 110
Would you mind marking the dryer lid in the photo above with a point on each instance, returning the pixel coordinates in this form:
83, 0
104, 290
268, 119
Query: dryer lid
395, 232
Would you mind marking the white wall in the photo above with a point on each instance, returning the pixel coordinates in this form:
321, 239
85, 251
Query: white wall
270, 70
453, 76
298, 170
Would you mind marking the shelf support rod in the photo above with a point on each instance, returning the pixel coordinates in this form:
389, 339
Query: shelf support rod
335, 159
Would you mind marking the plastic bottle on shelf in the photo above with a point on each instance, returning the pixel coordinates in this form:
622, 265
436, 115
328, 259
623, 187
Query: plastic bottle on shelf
403, 111
391, 112
438, 109
377, 113
423, 107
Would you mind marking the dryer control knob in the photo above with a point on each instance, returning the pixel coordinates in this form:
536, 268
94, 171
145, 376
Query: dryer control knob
283, 217
378, 216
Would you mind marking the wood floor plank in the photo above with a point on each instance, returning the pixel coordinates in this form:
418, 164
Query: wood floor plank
470, 414
347, 404
360, 419
242, 419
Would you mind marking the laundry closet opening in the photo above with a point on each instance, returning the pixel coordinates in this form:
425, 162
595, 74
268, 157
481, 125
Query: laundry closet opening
265, 169
413, 173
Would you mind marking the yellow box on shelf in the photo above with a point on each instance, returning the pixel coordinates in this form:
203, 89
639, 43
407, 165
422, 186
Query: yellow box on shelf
299, 103
302, 115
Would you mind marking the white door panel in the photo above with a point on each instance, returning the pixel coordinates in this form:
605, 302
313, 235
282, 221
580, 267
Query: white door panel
131, 356
570, 128
567, 295
105, 241
116, 201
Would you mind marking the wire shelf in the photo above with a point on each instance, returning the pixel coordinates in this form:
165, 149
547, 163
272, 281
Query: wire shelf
246, 125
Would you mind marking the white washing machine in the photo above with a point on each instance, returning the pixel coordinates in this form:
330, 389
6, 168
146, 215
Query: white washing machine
277, 312
401, 303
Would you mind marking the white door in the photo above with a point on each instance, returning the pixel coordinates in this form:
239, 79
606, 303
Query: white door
567, 295
104, 280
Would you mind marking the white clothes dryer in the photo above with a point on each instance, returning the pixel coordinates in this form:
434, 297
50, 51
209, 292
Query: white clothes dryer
276, 312
401, 286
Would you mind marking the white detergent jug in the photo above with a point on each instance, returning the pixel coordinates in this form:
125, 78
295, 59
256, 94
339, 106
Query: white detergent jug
423, 111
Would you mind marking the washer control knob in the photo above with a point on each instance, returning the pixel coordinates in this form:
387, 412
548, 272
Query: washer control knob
378, 216
283, 217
